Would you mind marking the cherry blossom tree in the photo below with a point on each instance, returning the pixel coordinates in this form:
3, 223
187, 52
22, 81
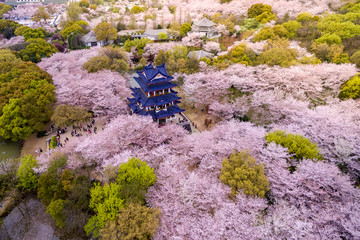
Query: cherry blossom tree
192, 40
103, 92
212, 47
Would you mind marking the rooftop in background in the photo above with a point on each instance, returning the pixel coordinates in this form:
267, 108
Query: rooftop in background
90, 37
204, 23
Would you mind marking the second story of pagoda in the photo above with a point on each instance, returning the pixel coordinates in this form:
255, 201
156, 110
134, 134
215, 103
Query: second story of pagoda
155, 96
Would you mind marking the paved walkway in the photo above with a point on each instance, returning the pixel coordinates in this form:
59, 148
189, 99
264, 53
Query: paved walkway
33, 143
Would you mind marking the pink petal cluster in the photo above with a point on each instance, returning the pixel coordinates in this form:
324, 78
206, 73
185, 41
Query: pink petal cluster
103, 92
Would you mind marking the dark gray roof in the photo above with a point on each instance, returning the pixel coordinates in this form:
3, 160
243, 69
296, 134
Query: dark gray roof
204, 23
90, 37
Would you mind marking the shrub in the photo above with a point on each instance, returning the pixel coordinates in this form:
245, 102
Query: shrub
298, 145
304, 17
355, 58
329, 39
281, 56
264, 34
309, 60
53, 143
26, 174
292, 27
258, 9
351, 89
265, 17
281, 31
241, 172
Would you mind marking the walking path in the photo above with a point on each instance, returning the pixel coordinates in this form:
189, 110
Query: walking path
34, 143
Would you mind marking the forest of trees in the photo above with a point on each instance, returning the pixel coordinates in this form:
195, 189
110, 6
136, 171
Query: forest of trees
281, 85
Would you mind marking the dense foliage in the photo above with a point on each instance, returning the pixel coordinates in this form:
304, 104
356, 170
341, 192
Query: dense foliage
26, 174
299, 146
351, 89
134, 178
133, 222
110, 58
27, 97
242, 174
66, 115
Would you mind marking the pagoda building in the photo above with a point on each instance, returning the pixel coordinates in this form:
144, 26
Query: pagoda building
156, 96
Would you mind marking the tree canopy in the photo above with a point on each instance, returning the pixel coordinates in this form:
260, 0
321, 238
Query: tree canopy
241, 172
105, 32
26, 97
66, 115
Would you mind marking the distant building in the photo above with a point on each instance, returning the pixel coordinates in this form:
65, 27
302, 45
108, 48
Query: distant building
199, 54
206, 27
155, 97
89, 40
153, 34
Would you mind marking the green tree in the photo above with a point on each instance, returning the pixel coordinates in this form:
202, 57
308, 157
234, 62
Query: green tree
258, 9
106, 203
261, 12
12, 123
138, 43
304, 17
135, 177
56, 211
162, 36
241, 172
292, 27
72, 28
7, 28
351, 89
136, 9
264, 34
32, 93
84, 3
309, 60
281, 56
30, 33
281, 31
133, 222
20, 30
265, 17
329, 39
37, 49
67, 115
330, 53
110, 58
41, 14
355, 58
298, 145
26, 174
50, 186
74, 11
184, 29
4, 8
105, 32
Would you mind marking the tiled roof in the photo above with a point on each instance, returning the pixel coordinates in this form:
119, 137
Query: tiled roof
204, 23
90, 37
